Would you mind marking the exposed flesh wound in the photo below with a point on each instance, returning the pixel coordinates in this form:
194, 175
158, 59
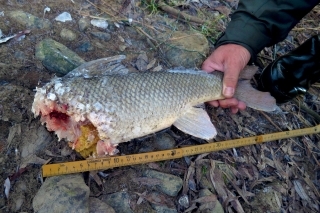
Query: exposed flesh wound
82, 135
56, 118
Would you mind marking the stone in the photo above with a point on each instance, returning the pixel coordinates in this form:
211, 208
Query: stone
99, 23
170, 184
19, 55
85, 47
68, 35
29, 21
119, 201
35, 138
164, 209
142, 61
267, 200
97, 206
101, 35
56, 57
164, 141
186, 49
84, 24
210, 207
63, 17
63, 193
122, 48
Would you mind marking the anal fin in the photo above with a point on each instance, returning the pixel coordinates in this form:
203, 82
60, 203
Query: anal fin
196, 122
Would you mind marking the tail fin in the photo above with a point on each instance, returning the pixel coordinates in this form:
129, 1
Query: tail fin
253, 98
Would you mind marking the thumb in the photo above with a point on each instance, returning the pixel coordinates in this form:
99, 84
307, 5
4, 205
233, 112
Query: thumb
230, 80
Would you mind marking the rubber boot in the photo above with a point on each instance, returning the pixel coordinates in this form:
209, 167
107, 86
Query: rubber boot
292, 74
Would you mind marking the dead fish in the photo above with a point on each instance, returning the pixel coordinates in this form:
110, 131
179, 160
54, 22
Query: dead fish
102, 102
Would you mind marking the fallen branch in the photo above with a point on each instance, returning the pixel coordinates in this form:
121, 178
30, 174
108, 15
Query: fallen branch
186, 17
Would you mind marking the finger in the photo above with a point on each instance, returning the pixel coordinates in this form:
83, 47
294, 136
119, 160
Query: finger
242, 105
234, 109
213, 103
230, 81
212, 63
230, 102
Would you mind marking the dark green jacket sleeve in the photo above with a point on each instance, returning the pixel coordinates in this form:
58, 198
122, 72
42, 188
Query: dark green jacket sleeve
257, 24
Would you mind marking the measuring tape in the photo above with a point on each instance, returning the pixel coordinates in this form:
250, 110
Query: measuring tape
127, 160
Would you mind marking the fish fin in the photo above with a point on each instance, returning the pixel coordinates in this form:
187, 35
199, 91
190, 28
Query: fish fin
196, 122
254, 98
248, 72
100, 67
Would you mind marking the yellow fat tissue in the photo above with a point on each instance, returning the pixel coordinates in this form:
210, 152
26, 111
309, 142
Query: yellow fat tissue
86, 144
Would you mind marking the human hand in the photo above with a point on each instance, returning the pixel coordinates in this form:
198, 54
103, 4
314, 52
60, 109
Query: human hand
230, 59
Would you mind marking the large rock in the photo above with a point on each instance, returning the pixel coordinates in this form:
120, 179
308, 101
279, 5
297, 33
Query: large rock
56, 57
186, 49
119, 201
267, 200
211, 206
97, 206
64, 193
29, 21
169, 184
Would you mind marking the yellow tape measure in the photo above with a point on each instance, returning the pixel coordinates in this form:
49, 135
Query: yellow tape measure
126, 160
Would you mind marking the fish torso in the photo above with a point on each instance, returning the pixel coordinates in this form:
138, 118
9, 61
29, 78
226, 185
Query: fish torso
127, 106
121, 106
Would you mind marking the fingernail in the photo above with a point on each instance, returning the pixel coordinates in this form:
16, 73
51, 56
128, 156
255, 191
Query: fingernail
228, 92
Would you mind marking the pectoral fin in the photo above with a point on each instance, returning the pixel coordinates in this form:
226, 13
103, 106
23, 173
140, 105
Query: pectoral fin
196, 122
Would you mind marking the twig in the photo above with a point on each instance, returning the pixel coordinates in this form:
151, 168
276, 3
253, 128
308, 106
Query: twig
269, 119
180, 14
308, 28
308, 110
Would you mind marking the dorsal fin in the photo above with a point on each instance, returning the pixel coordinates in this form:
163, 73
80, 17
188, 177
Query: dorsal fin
100, 67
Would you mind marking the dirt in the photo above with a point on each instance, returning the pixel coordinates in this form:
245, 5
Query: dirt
286, 160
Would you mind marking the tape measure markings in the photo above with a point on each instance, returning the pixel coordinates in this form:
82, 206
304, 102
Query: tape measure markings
127, 160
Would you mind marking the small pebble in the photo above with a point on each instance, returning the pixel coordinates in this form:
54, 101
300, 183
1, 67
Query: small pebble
100, 23
101, 35
84, 24
68, 35
63, 17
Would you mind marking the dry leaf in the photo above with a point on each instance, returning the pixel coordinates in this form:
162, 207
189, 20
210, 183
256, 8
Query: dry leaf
235, 203
300, 190
206, 199
147, 181
151, 64
217, 181
154, 166
224, 10
94, 175
157, 68
157, 199
17, 174
140, 199
7, 186
260, 181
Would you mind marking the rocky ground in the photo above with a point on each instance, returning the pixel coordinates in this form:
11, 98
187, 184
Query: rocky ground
50, 38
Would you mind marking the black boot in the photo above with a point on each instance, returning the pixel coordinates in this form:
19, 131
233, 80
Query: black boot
292, 74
